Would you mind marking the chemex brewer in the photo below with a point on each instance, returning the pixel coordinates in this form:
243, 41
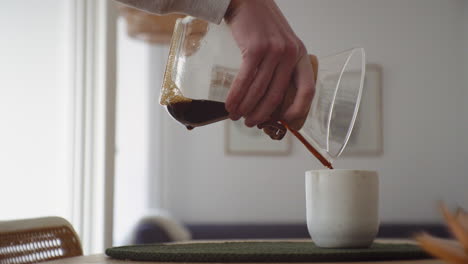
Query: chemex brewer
204, 60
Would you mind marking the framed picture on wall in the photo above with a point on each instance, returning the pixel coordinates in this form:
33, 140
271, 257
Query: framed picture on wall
367, 136
242, 140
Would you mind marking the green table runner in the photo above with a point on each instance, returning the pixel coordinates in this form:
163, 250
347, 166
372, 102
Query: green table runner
263, 252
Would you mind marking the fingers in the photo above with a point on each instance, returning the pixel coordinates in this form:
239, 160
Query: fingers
275, 93
258, 88
241, 83
270, 52
304, 81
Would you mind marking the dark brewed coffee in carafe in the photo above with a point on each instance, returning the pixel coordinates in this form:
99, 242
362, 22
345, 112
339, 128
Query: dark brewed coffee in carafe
194, 113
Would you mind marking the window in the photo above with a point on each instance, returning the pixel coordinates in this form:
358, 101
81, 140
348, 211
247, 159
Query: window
57, 108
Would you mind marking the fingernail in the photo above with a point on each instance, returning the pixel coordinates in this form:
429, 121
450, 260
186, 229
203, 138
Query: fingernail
249, 123
234, 117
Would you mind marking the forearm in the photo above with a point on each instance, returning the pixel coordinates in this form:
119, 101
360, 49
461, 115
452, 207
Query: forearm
210, 10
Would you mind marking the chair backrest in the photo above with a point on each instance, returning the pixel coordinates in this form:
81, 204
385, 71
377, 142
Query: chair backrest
36, 240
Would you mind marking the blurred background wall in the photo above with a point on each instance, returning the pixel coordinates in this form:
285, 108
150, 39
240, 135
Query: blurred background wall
420, 47
35, 108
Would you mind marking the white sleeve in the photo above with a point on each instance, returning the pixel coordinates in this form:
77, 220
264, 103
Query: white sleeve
210, 10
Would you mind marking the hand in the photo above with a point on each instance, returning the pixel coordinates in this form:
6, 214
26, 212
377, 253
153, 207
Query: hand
273, 57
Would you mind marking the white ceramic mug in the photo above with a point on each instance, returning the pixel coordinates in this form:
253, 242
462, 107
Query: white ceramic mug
342, 207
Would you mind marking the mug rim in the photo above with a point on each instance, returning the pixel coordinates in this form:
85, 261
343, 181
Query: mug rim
340, 170
340, 173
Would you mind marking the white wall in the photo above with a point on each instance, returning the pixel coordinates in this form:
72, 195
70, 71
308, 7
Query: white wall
35, 109
132, 134
419, 45
465, 12
138, 187
464, 97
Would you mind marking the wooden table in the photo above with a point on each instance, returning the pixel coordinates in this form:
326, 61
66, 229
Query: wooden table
103, 259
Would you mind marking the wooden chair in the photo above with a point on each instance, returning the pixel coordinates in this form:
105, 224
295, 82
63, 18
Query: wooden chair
37, 240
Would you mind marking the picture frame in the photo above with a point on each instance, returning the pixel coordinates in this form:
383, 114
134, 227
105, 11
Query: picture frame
367, 136
242, 140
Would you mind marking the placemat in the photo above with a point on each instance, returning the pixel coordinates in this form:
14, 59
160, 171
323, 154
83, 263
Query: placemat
263, 252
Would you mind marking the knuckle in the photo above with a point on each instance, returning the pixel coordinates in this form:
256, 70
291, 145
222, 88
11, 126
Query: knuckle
258, 48
301, 49
277, 47
292, 50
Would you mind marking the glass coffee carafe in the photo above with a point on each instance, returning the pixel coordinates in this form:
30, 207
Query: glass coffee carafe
204, 60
